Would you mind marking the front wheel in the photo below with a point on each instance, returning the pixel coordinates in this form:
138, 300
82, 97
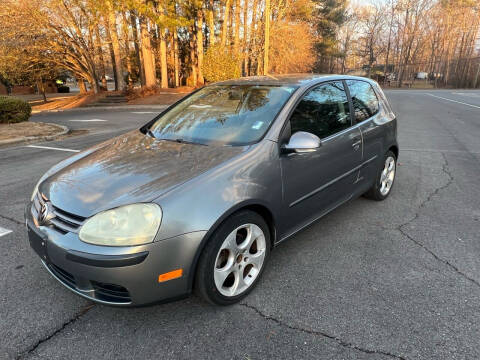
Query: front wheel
384, 179
233, 259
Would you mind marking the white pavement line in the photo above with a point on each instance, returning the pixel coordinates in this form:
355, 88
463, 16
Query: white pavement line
467, 94
51, 148
88, 120
455, 101
144, 112
4, 231
442, 151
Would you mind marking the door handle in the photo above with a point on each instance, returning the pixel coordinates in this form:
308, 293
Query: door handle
356, 144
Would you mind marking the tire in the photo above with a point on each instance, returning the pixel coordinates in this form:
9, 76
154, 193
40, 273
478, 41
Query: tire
379, 191
231, 263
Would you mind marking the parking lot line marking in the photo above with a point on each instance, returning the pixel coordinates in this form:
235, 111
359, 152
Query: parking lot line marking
443, 151
455, 101
88, 120
4, 231
144, 112
51, 148
466, 94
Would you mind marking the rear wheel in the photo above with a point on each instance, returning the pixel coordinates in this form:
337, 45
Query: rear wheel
385, 178
233, 259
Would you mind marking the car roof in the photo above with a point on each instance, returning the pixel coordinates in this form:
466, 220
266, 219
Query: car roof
298, 80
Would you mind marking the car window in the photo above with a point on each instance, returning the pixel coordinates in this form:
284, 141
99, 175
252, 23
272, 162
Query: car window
224, 114
323, 111
364, 100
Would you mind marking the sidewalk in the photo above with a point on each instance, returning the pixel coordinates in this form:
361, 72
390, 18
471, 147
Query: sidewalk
39, 98
25, 132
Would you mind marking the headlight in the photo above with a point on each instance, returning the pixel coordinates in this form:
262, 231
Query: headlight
128, 225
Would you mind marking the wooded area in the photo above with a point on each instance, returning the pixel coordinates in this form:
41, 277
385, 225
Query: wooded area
167, 43
402, 38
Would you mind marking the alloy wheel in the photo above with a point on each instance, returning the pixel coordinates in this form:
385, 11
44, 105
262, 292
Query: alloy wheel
387, 176
239, 260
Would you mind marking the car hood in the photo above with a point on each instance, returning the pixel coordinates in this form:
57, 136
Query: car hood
127, 169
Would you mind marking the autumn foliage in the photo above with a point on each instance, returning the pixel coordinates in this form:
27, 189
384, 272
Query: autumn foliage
220, 63
171, 43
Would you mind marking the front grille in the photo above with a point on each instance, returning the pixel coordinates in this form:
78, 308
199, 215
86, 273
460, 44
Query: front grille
111, 292
63, 221
63, 275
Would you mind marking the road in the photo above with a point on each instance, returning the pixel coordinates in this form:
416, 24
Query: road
398, 279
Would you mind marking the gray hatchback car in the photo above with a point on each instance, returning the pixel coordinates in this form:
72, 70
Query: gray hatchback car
198, 197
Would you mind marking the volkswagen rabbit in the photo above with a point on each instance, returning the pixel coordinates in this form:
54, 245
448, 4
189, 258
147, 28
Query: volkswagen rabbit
196, 199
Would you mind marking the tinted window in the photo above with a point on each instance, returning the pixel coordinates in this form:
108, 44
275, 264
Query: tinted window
225, 114
365, 102
323, 111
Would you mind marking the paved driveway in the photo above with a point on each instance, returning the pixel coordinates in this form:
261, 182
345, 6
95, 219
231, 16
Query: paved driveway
397, 279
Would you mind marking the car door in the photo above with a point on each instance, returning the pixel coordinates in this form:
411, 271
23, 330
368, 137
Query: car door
317, 181
366, 110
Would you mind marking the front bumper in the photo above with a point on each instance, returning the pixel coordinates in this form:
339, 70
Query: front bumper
122, 276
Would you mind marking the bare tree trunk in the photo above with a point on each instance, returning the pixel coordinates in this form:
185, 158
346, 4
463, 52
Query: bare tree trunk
226, 17
162, 44
116, 47
230, 32
175, 58
90, 60
163, 59
259, 64
127, 48
81, 86
193, 59
101, 60
112, 54
147, 54
253, 35
267, 37
93, 84
236, 38
370, 56
133, 21
402, 59
385, 69
200, 46
41, 89
211, 23
245, 37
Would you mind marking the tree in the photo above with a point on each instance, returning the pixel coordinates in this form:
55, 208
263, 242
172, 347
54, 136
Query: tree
266, 46
221, 64
112, 24
371, 18
170, 39
53, 27
292, 22
148, 59
226, 18
329, 15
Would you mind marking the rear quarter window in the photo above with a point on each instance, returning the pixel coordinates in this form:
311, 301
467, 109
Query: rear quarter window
364, 99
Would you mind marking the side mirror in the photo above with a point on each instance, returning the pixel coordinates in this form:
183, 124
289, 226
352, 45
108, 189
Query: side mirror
301, 142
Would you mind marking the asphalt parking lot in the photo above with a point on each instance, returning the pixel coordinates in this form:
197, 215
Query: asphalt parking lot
398, 279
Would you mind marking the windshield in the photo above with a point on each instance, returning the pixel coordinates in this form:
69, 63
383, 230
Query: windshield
225, 114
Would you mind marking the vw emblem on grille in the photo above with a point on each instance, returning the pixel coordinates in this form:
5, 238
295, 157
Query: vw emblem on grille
46, 213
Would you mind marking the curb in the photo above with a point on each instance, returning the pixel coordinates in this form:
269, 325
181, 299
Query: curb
27, 139
93, 108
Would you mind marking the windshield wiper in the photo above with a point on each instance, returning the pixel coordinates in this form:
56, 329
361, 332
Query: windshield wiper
182, 141
150, 133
